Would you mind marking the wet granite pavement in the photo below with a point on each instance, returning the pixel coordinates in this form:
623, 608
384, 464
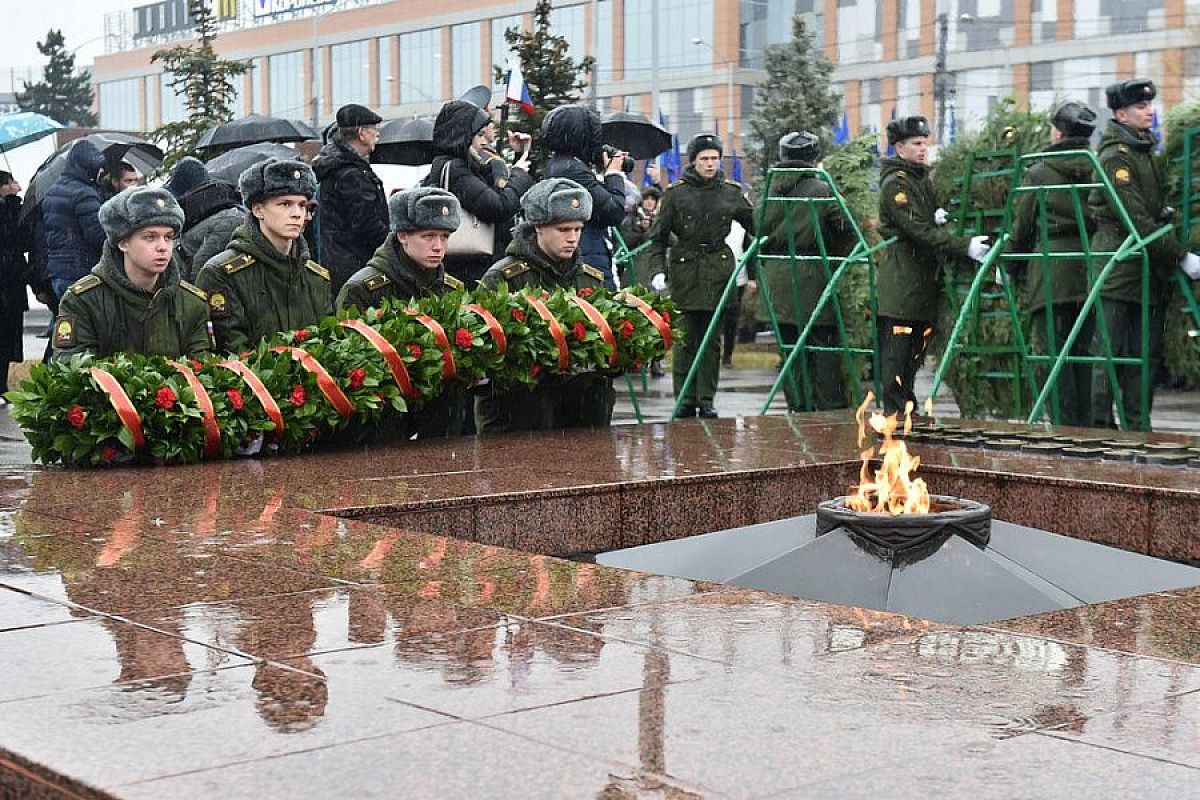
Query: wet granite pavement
299, 627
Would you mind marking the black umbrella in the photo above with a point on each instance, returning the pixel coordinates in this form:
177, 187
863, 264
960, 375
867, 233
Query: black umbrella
253, 129
635, 134
230, 165
405, 141
115, 147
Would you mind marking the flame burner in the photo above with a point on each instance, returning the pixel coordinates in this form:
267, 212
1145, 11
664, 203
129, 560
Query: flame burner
909, 537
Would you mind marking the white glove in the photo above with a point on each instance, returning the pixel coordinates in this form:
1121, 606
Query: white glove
978, 249
941, 216
1190, 264
659, 283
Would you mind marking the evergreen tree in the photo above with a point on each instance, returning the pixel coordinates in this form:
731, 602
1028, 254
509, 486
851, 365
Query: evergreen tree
61, 95
796, 96
204, 79
553, 77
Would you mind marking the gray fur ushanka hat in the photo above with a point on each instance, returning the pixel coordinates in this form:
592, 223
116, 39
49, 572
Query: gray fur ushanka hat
276, 177
423, 208
556, 200
139, 207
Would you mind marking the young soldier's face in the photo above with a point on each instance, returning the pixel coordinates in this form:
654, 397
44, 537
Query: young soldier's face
559, 240
148, 250
425, 248
1139, 116
282, 217
914, 149
707, 163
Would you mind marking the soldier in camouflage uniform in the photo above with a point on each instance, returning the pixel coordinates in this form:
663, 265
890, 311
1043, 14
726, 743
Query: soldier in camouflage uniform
793, 222
1126, 154
544, 254
264, 282
1060, 284
406, 266
699, 210
909, 279
134, 300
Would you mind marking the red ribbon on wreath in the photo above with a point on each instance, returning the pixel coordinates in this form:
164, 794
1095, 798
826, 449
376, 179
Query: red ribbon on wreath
449, 371
259, 390
596, 318
556, 331
494, 327
328, 386
121, 404
212, 431
392, 358
664, 330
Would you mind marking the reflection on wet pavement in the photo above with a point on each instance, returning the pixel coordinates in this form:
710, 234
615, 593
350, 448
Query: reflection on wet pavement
209, 632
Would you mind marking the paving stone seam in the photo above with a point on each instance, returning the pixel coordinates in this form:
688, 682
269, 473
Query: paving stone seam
1131, 753
1087, 646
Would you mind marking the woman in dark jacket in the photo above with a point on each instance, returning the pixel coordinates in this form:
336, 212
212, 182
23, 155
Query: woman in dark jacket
468, 166
71, 215
14, 242
572, 133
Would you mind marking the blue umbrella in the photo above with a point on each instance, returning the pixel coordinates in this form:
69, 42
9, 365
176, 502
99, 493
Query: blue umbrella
24, 127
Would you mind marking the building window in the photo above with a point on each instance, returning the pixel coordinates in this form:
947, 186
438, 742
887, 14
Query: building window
858, 31
568, 22
257, 106
604, 55
465, 69
680, 22
387, 46
173, 106
500, 51
119, 104
288, 97
421, 67
350, 73
765, 23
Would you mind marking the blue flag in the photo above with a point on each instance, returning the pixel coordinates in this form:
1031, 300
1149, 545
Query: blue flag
735, 168
671, 162
1157, 131
953, 125
891, 149
841, 133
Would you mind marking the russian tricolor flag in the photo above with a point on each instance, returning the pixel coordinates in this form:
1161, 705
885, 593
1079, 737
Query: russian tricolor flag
517, 90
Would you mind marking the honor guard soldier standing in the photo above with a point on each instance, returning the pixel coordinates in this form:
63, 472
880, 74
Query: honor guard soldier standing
1126, 154
544, 254
264, 282
1060, 285
785, 223
699, 210
909, 280
133, 300
406, 266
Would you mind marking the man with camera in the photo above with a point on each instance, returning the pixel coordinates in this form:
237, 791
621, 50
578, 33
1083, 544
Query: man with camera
1126, 154
573, 135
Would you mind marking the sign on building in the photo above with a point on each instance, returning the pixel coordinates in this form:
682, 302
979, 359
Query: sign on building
271, 8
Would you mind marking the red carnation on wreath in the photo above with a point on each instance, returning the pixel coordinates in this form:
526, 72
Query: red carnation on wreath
165, 398
415, 350
300, 335
586, 291
76, 417
535, 370
298, 395
108, 454
235, 399
626, 329
195, 365
463, 338
357, 376
518, 315
578, 331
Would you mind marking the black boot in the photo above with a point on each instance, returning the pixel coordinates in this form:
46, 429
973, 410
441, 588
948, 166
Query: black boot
686, 412
707, 411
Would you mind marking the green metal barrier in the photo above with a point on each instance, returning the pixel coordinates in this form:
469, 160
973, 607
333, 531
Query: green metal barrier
1134, 246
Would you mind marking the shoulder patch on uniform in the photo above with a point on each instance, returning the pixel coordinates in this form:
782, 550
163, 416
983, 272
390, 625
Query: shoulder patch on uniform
218, 304
592, 272
733, 183
317, 268
236, 264
900, 198
679, 182
901, 174
452, 282
1122, 176
85, 283
1122, 148
376, 282
194, 289
64, 331
514, 269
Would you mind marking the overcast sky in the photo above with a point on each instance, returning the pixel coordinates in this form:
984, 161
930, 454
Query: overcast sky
26, 23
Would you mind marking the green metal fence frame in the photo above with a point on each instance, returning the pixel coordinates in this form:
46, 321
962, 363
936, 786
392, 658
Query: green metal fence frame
1134, 245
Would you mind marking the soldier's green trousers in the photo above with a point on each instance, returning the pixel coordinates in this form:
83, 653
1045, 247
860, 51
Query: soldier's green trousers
1074, 384
578, 401
1123, 321
902, 344
704, 386
824, 371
